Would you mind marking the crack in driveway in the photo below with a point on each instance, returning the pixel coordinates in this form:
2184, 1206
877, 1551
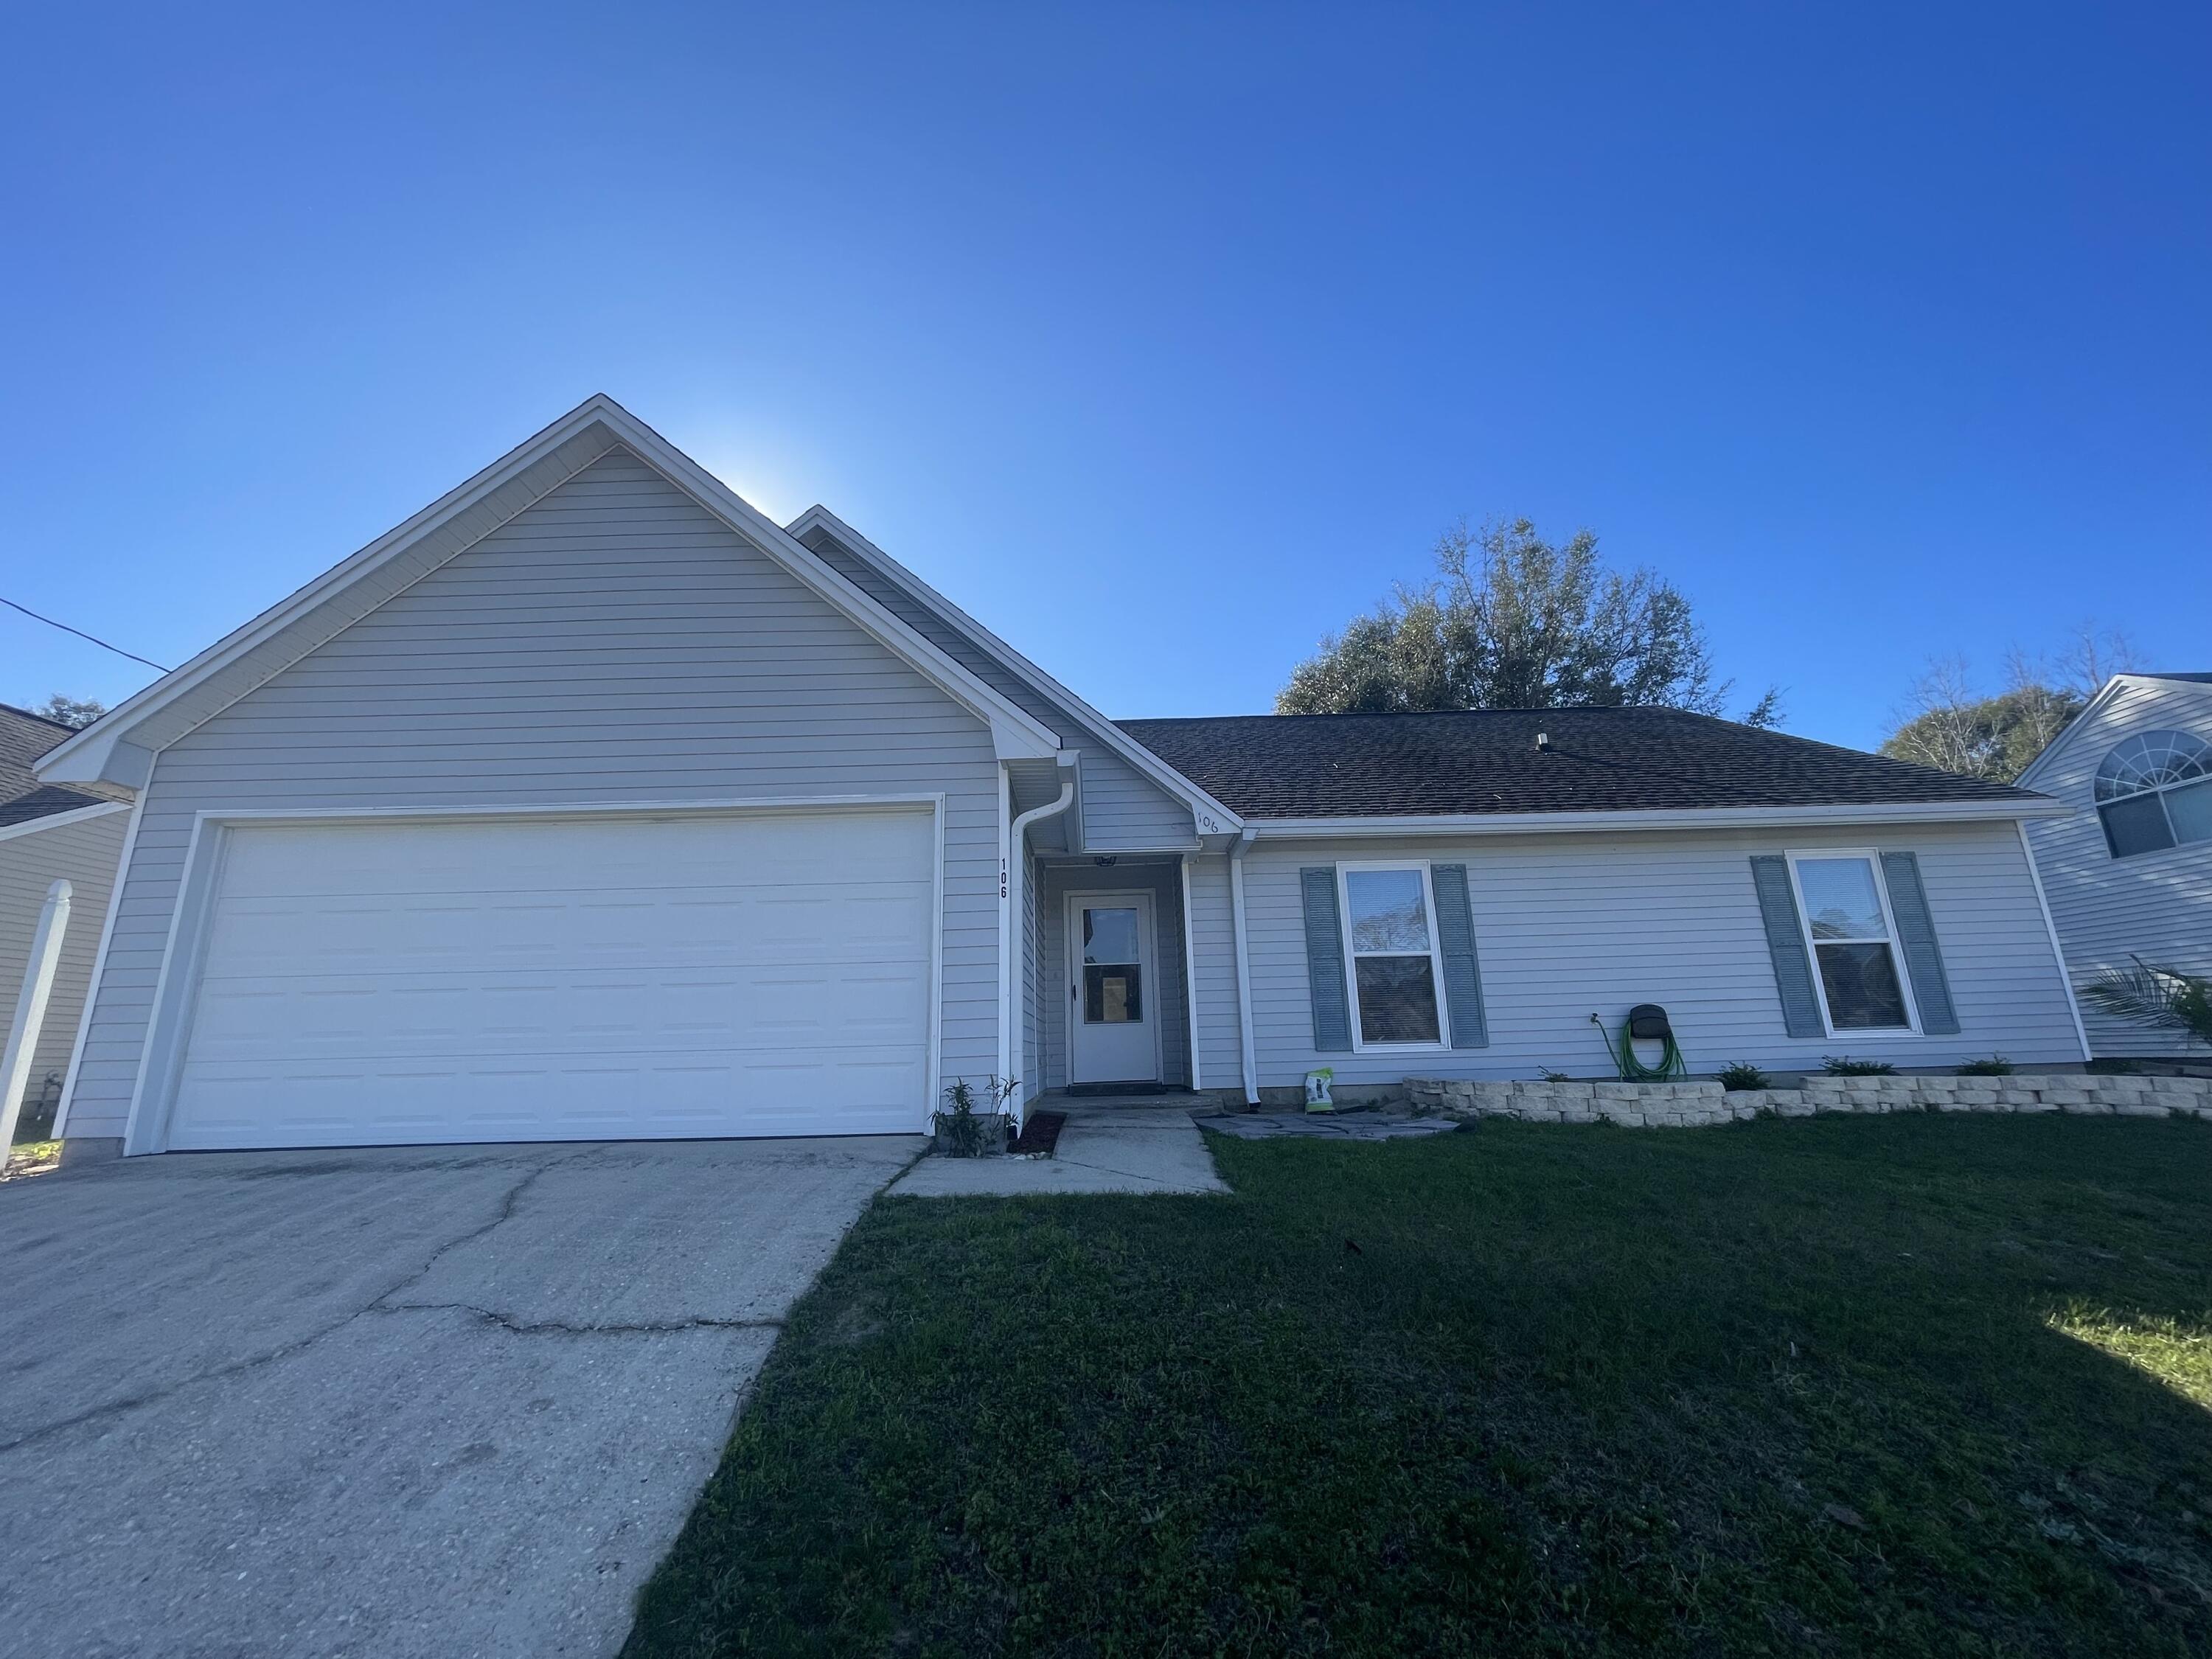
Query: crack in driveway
562, 1327
285, 1351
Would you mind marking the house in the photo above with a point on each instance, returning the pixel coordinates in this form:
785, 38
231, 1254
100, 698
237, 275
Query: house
591, 803
2129, 871
49, 833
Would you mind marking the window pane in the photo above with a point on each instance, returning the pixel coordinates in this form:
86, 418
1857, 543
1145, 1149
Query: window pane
1388, 912
1111, 935
1840, 900
2190, 809
1113, 995
1397, 1000
2136, 826
1860, 980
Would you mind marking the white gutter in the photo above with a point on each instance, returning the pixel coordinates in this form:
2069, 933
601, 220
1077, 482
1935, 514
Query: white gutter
1017, 875
1725, 817
1249, 1066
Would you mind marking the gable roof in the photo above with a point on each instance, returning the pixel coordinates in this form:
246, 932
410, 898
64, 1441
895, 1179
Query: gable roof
1486, 764
120, 746
2084, 721
24, 737
977, 648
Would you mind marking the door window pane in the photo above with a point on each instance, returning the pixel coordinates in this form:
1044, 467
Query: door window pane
1110, 934
1860, 980
1388, 910
2190, 810
2136, 825
1840, 899
1113, 995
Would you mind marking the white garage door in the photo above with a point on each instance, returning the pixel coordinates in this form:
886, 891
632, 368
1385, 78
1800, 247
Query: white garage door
564, 978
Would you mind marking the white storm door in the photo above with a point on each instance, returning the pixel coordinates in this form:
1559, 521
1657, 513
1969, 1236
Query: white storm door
1113, 993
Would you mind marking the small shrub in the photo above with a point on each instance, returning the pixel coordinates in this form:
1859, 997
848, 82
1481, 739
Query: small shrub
1551, 1076
2113, 1066
1995, 1065
1742, 1074
1845, 1066
964, 1132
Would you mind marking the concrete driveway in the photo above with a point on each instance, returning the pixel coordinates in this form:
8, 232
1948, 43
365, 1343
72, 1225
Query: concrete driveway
448, 1401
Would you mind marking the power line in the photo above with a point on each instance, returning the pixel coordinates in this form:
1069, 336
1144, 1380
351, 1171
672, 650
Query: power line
80, 634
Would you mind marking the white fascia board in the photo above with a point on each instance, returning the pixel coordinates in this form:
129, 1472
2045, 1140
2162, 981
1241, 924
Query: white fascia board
82, 758
2105, 693
58, 820
1733, 817
1018, 734
96, 753
1209, 815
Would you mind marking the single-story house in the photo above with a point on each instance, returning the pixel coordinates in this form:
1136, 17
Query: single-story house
591, 803
2129, 871
49, 834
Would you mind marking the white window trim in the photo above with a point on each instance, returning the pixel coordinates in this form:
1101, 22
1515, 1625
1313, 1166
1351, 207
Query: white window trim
2157, 791
1360, 1045
1855, 1033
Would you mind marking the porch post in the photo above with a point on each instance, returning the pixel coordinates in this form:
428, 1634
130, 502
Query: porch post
1189, 970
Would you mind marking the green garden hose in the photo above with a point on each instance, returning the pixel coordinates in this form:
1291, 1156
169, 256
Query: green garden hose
1633, 1070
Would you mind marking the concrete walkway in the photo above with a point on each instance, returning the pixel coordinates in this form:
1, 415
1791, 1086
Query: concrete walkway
1327, 1125
414, 1401
1106, 1147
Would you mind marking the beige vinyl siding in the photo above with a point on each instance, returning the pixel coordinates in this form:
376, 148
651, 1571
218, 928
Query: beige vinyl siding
83, 853
1122, 809
1170, 1005
614, 642
1570, 925
2155, 905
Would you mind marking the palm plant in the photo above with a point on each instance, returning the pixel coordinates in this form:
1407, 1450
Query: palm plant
2151, 995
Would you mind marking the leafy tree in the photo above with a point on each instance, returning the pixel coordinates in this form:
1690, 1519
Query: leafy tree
1514, 622
70, 711
1947, 722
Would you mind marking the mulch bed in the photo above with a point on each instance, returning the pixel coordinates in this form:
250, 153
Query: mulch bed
1040, 1133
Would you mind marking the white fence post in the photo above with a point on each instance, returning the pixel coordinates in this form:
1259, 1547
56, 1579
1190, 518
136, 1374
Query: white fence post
31, 1010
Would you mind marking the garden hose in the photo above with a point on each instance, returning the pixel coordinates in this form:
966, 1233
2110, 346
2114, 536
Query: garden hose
1632, 1069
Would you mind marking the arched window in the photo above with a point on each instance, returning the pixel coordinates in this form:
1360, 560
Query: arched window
2154, 791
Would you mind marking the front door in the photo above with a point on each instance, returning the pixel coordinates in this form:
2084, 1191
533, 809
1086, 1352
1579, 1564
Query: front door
1113, 1018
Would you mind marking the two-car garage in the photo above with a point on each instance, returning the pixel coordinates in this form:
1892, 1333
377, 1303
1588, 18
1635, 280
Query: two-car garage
408, 979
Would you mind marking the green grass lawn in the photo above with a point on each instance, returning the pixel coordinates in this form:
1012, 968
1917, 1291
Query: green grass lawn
1911, 1384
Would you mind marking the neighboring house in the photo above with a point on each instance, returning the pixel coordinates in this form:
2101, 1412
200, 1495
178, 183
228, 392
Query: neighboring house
49, 833
2129, 874
590, 803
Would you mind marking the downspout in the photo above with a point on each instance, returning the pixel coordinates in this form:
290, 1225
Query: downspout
1249, 1066
1017, 877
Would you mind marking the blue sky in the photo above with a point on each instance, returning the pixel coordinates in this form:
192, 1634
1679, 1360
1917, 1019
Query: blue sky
1161, 338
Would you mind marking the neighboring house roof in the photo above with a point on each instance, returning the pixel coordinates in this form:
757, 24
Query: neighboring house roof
23, 738
1486, 763
2086, 720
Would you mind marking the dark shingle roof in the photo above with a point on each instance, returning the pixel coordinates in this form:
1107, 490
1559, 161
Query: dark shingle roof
1600, 760
23, 738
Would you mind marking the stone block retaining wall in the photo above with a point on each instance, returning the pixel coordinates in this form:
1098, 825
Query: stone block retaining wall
1690, 1105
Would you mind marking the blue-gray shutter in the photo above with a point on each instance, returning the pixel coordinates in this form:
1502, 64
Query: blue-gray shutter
1916, 931
1462, 972
1785, 943
1332, 1015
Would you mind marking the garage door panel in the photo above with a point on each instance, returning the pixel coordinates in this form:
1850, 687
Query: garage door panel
487, 978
